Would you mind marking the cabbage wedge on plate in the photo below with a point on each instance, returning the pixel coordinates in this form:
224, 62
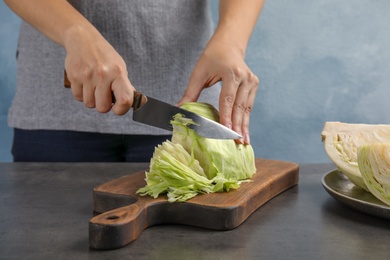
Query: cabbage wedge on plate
342, 140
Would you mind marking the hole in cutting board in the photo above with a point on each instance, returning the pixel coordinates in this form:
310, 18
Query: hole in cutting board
112, 217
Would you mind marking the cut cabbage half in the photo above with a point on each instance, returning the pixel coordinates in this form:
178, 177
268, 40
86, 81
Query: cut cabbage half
342, 140
191, 164
374, 165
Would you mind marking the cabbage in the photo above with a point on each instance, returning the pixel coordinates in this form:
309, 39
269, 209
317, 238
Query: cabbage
374, 165
190, 164
342, 140
215, 156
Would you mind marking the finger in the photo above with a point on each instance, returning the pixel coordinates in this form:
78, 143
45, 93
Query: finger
103, 97
238, 111
226, 102
124, 94
77, 91
194, 88
82, 87
103, 92
89, 96
253, 83
75, 85
246, 117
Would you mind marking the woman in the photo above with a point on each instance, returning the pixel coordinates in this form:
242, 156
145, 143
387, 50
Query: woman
117, 47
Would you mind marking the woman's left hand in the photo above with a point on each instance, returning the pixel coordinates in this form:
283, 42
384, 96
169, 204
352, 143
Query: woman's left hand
222, 62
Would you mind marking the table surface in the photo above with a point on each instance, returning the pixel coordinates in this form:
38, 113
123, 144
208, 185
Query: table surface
45, 209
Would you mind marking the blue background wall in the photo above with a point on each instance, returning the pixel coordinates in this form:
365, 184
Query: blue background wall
9, 24
318, 61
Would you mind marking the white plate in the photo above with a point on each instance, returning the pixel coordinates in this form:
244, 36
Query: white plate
340, 188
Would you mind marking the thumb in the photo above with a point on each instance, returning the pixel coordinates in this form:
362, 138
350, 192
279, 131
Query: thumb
193, 90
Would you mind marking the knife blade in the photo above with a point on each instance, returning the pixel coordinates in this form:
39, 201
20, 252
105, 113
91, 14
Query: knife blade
157, 113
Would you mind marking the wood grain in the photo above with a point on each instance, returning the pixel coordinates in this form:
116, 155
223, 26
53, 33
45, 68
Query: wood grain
125, 215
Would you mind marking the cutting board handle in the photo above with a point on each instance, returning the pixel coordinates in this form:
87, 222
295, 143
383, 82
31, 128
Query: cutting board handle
118, 227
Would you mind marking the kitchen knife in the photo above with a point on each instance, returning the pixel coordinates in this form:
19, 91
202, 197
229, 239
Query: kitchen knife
159, 114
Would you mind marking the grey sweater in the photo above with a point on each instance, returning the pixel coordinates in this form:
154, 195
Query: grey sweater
160, 40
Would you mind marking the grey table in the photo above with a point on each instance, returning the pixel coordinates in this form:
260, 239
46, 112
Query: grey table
45, 209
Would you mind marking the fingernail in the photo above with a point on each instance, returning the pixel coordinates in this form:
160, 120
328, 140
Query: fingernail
241, 140
247, 139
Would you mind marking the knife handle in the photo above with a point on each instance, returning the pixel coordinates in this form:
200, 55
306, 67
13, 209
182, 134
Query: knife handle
66, 80
138, 101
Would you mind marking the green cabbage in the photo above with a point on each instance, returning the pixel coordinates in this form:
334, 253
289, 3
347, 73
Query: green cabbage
190, 164
374, 165
215, 156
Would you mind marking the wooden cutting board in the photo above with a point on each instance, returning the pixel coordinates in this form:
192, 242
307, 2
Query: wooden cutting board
125, 215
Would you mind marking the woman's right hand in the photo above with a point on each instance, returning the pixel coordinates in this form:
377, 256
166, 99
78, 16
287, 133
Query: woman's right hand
94, 68
95, 71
